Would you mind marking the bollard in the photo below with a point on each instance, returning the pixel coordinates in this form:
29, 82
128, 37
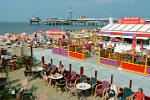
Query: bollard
95, 73
69, 74
60, 63
81, 70
42, 58
111, 80
31, 50
52, 61
130, 84
70, 68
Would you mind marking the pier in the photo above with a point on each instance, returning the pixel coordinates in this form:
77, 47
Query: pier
72, 21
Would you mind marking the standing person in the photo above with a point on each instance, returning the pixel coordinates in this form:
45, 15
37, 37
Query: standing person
59, 42
139, 95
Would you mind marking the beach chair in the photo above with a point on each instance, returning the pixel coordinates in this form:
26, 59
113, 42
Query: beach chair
99, 89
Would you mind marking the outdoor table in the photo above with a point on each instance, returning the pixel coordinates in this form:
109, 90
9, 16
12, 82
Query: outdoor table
56, 76
83, 87
37, 70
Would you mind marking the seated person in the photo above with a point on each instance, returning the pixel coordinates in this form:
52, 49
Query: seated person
27, 71
49, 78
112, 92
111, 95
61, 70
139, 95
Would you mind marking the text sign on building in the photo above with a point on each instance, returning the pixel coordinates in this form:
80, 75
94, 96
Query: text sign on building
131, 20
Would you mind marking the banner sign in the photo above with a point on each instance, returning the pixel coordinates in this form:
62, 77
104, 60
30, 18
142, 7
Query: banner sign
128, 34
131, 20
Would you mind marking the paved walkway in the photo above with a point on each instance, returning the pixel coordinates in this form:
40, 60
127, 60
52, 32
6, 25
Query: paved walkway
120, 77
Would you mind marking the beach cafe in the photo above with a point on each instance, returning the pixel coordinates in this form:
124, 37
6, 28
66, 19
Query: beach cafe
79, 46
132, 52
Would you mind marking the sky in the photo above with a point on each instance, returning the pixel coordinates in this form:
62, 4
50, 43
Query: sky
22, 10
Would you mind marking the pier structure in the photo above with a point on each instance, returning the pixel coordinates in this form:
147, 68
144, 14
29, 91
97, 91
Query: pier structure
55, 21
72, 21
34, 20
77, 21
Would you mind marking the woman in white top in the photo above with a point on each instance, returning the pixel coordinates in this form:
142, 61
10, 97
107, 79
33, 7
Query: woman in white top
111, 93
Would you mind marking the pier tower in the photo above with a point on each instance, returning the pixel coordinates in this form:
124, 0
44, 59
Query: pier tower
110, 20
70, 13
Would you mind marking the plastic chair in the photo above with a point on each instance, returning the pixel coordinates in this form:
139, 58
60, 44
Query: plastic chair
72, 90
54, 69
100, 88
27, 95
61, 85
83, 78
93, 82
112, 92
49, 65
127, 92
73, 77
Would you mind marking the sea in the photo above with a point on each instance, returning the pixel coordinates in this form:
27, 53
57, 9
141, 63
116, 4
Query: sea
19, 27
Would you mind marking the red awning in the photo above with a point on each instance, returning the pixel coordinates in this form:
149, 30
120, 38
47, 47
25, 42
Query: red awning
54, 32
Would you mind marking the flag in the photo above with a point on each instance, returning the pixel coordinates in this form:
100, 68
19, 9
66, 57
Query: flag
133, 45
141, 46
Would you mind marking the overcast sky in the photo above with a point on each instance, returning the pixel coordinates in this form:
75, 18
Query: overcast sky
21, 10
